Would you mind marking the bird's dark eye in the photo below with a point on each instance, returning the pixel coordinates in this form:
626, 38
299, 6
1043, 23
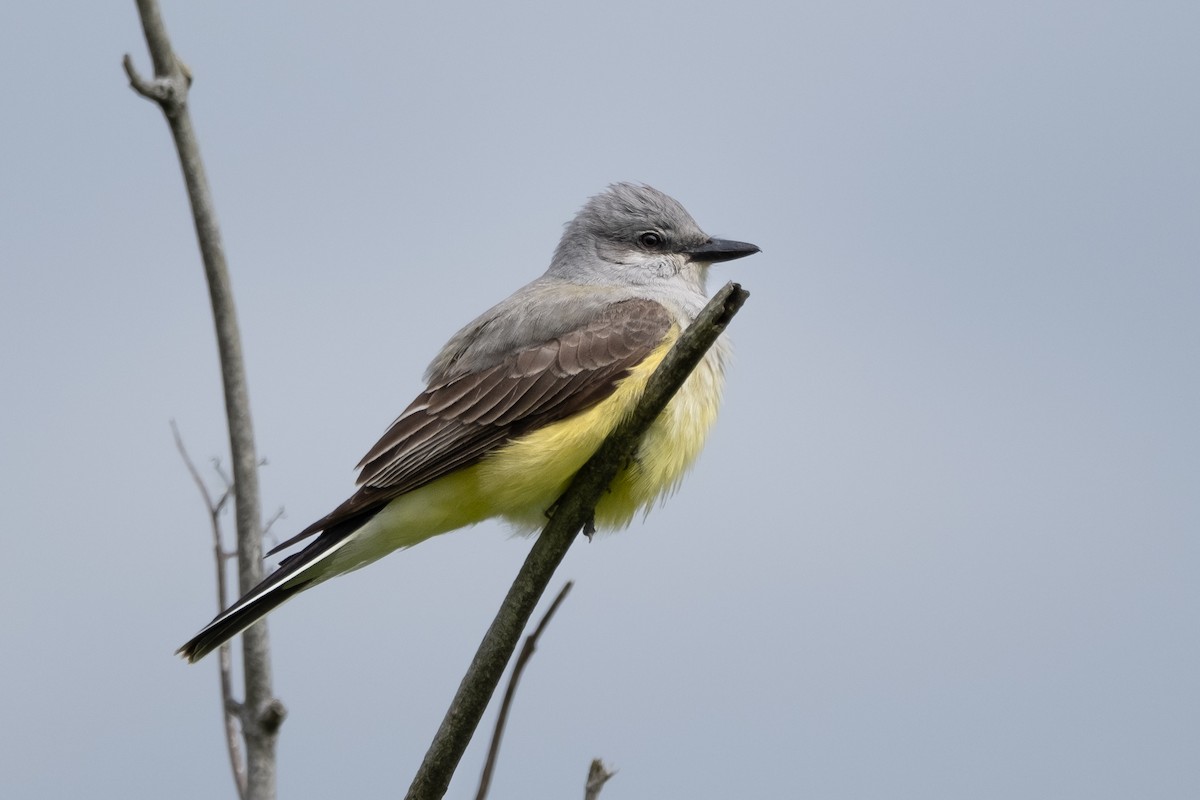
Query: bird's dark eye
650, 240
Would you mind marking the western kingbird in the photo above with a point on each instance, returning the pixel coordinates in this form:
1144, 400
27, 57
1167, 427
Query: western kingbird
519, 399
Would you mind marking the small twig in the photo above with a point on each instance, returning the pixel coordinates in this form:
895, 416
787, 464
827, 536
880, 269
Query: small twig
158, 90
278, 515
598, 775
225, 478
228, 494
225, 655
191, 468
523, 657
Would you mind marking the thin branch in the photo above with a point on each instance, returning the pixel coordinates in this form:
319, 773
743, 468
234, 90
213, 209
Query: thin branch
278, 515
237, 762
231, 708
523, 657
571, 514
169, 89
159, 91
598, 775
195, 473
223, 475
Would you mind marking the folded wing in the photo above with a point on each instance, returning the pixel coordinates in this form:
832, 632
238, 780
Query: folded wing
455, 423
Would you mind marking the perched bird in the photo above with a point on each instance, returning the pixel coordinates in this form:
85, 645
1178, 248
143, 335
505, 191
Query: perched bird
522, 396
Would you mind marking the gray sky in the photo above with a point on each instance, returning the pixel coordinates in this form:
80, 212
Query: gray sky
943, 542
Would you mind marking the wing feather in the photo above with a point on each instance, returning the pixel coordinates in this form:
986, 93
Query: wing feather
455, 423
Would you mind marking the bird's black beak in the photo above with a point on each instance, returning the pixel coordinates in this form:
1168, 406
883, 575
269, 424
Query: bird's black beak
715, 250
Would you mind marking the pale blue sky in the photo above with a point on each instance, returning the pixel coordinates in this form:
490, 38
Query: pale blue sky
943, 543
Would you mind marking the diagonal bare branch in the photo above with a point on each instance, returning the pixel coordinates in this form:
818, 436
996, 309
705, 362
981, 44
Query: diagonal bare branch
571, 515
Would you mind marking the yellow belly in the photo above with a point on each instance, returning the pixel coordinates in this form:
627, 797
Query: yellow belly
526, 476
521, 480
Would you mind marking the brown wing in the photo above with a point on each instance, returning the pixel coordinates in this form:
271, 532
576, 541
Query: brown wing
454, 424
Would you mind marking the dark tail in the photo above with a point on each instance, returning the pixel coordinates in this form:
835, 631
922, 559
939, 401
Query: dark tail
295, 573
232, 622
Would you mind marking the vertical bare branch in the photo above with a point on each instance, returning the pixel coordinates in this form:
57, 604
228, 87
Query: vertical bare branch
489, 766
571, 514
230, 708
262, 713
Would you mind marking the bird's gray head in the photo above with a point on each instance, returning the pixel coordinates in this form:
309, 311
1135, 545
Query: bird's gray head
636, 235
